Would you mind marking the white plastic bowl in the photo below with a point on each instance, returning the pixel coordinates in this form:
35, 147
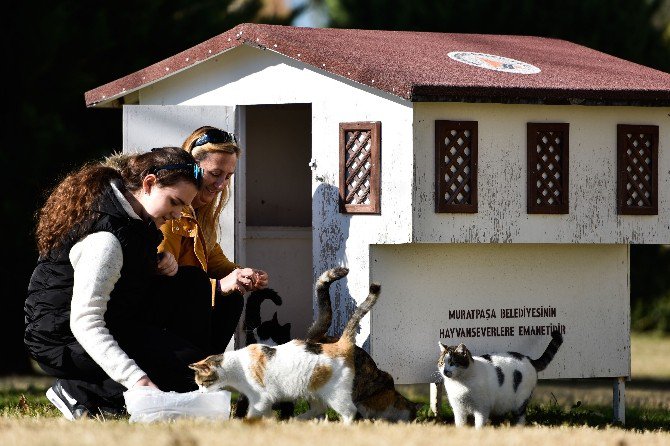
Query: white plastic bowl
147, 404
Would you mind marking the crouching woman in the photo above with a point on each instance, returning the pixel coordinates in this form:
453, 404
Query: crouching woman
92, 318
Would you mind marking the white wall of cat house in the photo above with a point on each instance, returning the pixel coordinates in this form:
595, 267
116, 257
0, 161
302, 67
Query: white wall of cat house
501, 279
250, 76
501, 216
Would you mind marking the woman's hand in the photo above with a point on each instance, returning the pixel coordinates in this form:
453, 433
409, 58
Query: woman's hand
167, 264
260, 279
241, 280
145, 382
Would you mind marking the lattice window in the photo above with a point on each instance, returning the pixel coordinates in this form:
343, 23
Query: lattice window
548, 168
456, 166
360, 167
637, 166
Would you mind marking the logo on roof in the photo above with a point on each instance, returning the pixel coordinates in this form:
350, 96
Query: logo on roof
493, 62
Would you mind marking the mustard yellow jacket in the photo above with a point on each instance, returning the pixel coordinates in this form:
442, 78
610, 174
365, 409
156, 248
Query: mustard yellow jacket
184, 239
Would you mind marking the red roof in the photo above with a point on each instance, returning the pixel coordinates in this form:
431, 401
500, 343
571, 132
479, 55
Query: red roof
416, 66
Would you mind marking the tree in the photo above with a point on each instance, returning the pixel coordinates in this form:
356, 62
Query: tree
56, 51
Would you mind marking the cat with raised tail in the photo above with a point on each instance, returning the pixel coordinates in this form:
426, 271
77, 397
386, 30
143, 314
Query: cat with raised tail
374, 392
321, 373
494, 384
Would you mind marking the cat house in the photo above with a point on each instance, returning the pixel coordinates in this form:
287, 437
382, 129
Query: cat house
491, 184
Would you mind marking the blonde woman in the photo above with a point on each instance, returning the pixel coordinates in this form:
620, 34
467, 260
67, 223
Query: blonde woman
193, 241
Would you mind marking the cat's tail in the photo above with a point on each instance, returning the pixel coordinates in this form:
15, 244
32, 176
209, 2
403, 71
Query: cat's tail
543, 361
349, 333
324, 316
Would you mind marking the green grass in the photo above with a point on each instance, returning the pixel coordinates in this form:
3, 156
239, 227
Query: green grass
25, 396
32, 402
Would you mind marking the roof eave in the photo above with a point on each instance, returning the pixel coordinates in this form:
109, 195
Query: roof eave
646, 98
111, 95
99, 99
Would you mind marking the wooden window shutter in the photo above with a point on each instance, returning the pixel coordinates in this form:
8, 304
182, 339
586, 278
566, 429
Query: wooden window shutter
548, 168
455, 166
360, 167
637, 167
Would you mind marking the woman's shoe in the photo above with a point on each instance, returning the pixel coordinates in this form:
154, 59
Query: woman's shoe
68, 406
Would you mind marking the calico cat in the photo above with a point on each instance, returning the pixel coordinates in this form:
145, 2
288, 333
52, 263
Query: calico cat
494, 384
374, 392
320, 373
264, 332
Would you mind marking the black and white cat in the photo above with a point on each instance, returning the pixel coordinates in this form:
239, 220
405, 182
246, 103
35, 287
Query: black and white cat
495, 384
257, 331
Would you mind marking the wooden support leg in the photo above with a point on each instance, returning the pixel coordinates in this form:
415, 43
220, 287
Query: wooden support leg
619, 401
436, 392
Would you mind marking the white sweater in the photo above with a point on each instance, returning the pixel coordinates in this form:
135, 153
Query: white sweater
97, 260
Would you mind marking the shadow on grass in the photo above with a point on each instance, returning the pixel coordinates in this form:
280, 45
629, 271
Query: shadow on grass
637, 419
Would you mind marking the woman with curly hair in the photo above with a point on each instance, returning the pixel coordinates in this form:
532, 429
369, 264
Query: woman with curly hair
92, 315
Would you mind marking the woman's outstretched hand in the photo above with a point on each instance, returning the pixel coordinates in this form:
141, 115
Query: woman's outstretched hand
244, 280
260, 279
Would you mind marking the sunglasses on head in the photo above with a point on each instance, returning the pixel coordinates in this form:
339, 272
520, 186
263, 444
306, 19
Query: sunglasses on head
197, 170
215, 136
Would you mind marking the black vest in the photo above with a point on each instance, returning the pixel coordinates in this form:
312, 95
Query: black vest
47, 307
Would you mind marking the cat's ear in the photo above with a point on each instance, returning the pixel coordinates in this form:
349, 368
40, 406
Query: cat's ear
462, 348
442, 346
198, 366
206, 364
274, 317
214, 360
